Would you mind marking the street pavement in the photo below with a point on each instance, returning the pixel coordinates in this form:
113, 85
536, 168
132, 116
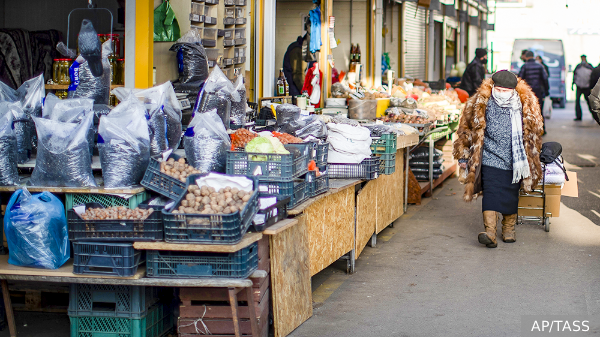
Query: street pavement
428, 275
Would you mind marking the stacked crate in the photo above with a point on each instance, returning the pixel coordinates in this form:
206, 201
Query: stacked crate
384, 147
118, 311
447, 146
204, 311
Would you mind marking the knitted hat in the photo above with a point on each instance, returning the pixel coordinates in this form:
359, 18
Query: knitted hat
505, 79
480, 52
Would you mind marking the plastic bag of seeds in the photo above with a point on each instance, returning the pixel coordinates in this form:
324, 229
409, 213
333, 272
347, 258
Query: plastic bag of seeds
70, 111
63, 158
89, 86
193, 61
206, 143
238, 108
218, 93
9, 175
124, 144
164, 96
23, 131
286, 114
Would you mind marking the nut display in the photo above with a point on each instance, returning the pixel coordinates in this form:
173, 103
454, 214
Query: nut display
177, 169
116, 213
207, 200
285, 138
241, 137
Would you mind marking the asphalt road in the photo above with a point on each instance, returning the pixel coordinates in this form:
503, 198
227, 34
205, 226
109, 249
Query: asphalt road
580, 142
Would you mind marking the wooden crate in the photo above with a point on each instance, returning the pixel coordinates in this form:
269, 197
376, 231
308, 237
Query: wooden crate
216, 319
46, 297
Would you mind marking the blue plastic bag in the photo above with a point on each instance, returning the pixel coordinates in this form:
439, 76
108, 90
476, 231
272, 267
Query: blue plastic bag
36, 230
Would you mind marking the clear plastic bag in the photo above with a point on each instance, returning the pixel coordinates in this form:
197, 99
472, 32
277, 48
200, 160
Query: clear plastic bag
63, 158
217, 94
9, 175
124, 144
238, 108
286, 114
23, 128
36, 230
206, 143
311, 126
96, 88
422, 152
31, 94
192, 58
163, 96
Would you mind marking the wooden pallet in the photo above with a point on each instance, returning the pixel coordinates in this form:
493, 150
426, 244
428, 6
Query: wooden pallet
40, 297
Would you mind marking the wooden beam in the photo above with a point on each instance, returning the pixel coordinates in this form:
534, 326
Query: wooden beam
247, 240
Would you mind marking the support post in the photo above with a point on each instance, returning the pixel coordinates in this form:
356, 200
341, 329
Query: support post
10, 317
139, 43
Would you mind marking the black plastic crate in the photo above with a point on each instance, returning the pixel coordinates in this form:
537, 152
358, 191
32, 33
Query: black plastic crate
273, 213
113, 259
162, 183
297, 190
149, 229
168, 264
368, 169
102, 300
209, 228
270, 167
317, 185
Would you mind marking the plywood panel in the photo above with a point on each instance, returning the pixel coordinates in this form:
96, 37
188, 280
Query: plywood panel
390, 194
330, 225
366, 215
290, 278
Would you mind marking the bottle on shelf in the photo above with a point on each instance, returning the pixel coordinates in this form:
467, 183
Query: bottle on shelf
281, 83
357, 57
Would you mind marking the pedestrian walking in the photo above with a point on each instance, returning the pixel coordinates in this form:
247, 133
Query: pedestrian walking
540, 60
475, 72
537, 77
498, 146
581, 78
523, 52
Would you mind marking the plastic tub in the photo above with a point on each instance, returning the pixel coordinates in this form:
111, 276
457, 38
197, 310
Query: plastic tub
227, 33
210, 34
228, 21
198, 29
240, 12
240, 33
212, 54
335, 103
382, 105
240, 52
240, 2
197, 8
229, 2
362, 109
230, 12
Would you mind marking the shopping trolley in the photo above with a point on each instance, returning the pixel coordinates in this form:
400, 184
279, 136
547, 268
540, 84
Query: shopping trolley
537, 192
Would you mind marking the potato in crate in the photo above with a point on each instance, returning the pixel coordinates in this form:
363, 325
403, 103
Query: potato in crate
216, 208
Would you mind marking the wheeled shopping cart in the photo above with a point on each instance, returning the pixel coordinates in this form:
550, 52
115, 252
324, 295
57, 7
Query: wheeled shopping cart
538, 192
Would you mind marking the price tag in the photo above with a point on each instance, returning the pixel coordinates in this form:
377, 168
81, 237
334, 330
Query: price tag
80, 210
257, 171
263, 188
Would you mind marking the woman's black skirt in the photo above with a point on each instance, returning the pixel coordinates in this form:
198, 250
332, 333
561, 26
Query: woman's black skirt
499, 193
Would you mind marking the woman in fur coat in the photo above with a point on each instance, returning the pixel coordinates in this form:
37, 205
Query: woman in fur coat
498, 147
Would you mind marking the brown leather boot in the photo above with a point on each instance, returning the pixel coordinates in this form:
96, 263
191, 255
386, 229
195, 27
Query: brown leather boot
508, 227
488, 238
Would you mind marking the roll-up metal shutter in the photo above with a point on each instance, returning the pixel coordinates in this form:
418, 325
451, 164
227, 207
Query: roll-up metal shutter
414, 29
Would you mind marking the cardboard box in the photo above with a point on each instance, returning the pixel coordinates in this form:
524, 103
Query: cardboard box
553, 195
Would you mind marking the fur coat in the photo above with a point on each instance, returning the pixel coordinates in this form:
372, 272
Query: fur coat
471, 130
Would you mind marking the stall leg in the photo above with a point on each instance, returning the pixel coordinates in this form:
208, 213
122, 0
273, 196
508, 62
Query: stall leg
406, 180
10, 317
431, 144
234, 310
350, 261
252, 310
373, 240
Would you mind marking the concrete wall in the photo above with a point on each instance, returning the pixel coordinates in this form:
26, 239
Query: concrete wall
165, 61
392, 34
548, 19
343, 25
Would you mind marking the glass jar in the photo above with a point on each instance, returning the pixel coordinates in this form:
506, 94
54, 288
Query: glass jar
121, 71
62, 94
113, 70
115, 44
63, 71
55, 70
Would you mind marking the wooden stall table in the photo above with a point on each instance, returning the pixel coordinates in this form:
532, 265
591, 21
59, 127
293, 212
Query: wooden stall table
65, 275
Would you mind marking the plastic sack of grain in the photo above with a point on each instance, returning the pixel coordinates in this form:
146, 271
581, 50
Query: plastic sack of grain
63, 157
124, 144
206, 142
9, 175
217, 94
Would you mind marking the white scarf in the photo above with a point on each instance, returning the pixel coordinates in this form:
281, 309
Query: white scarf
520, 163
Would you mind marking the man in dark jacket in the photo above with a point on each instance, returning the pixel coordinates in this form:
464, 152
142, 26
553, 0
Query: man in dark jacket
582, 78
536, 76
475, 72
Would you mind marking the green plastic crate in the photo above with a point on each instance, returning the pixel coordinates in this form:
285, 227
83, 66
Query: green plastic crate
387, 163
106, 200
385, 144
158, 323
